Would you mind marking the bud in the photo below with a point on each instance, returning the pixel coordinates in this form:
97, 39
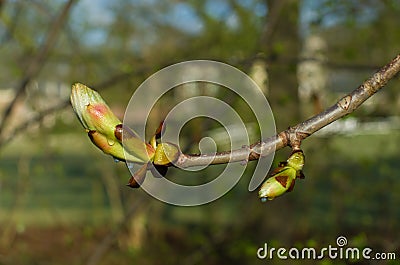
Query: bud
283, 178
165, 154
296, 160
279, 183
114, 149
103, 126
92, 111
132, 143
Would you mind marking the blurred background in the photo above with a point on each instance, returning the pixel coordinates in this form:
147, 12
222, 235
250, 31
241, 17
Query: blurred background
63, 202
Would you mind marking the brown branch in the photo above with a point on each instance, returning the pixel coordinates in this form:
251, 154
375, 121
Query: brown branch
294, 135
37, 62
22, 128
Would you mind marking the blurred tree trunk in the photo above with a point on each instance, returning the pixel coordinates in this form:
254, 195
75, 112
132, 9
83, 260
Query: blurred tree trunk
279, 41
312, 76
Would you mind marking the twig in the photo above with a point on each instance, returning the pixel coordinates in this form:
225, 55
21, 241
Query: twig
37, 62
293, 136
35, 120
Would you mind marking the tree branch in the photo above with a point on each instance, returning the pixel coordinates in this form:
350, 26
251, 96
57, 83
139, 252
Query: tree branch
293, 136
37, 63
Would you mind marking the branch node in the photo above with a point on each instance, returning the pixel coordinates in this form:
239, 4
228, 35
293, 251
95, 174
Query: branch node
253, 154
294, 137
344, 103
284, 137
181, 159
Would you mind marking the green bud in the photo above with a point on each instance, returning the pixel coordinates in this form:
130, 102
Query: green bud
102, 126
165, 154
279, 183
92, 110
114, 148
132, 143
296, 160
283, 178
